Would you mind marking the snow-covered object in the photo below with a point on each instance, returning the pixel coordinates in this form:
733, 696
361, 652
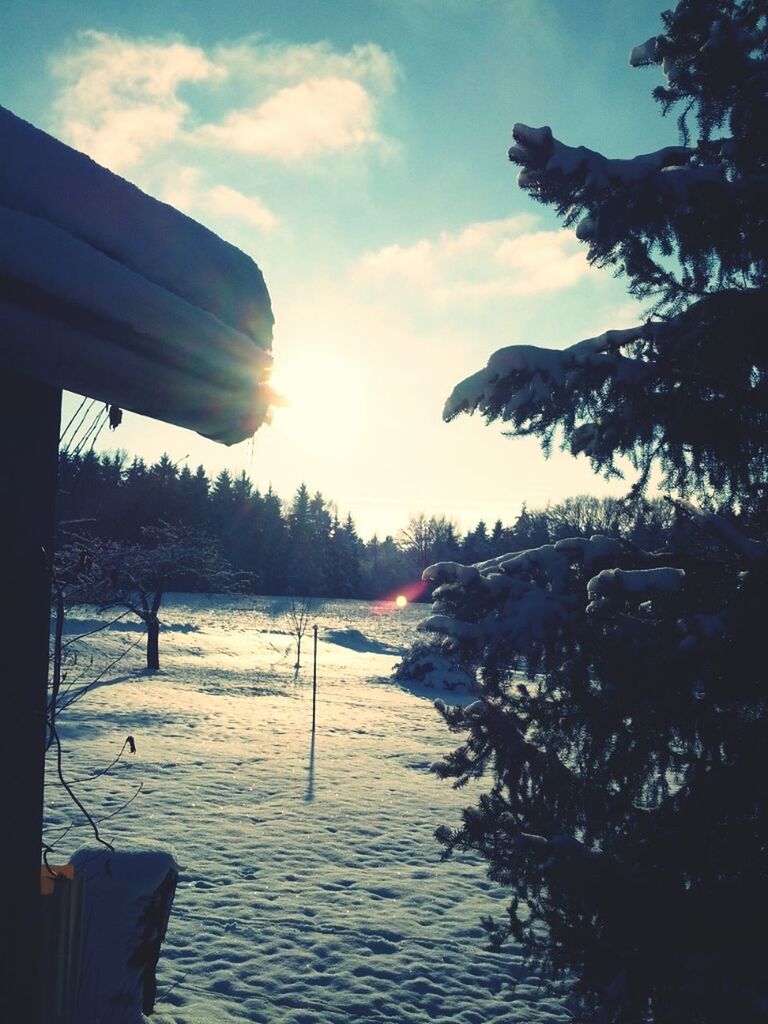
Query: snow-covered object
442, 571
558, 849
529, 593
427, 667
593, 551
451, 627
586, 229
127, 901
635, 583
110, 293
546, 368
537, 150
646, 53
728, 534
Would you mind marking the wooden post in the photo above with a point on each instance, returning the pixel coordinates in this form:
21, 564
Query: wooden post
314, 681
29, 438
61, 941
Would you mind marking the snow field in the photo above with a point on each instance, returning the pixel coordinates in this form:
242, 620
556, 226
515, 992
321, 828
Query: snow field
311, 890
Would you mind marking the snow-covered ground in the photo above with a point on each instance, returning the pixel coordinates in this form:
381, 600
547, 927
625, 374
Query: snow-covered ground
311, 889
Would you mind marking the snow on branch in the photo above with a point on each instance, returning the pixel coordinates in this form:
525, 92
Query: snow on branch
619, 393
557, 850
725, 531
654, 216
540, 368
522, 597
635, 584
646, 53
441, 572
536, 150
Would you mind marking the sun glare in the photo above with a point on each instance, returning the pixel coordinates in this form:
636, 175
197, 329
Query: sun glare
401, 600
326, 396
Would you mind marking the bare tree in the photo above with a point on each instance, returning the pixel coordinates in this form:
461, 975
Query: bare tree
428, 540
112, 574
298, 619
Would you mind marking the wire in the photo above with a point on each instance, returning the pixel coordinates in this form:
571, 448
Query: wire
72, 419
96, 425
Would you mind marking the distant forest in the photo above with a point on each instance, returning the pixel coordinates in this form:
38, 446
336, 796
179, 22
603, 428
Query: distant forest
302, 545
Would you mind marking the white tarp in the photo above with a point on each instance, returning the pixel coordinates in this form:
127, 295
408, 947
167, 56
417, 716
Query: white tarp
110, 293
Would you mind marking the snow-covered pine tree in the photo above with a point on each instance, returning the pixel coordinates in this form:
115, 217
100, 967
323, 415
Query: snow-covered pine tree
622, 711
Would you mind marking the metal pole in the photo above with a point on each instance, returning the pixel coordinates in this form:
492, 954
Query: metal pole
314, 681
29, 438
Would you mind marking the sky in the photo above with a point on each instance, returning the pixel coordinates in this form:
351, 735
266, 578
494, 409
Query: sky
356, 149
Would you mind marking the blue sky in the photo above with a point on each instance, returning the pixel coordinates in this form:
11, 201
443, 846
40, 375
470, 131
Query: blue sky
357, 150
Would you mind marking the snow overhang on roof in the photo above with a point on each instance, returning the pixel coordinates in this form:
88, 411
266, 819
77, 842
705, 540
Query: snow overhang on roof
110, 293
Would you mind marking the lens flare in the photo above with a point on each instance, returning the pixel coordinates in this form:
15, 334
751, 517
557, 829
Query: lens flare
401, 597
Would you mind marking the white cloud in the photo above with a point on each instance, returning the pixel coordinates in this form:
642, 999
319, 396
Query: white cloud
119, 98
542, 261
306, 120
182, 188
274, 64
186, 190
250, 209
415, 263
485, 260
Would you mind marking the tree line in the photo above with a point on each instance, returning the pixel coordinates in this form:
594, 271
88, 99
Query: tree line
302, 545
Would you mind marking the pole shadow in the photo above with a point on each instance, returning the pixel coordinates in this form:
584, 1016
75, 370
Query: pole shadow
310, 793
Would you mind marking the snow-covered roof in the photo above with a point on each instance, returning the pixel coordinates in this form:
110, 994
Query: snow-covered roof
110, 293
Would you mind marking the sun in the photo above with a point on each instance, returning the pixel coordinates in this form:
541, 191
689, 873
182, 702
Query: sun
326, 396
401, 600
